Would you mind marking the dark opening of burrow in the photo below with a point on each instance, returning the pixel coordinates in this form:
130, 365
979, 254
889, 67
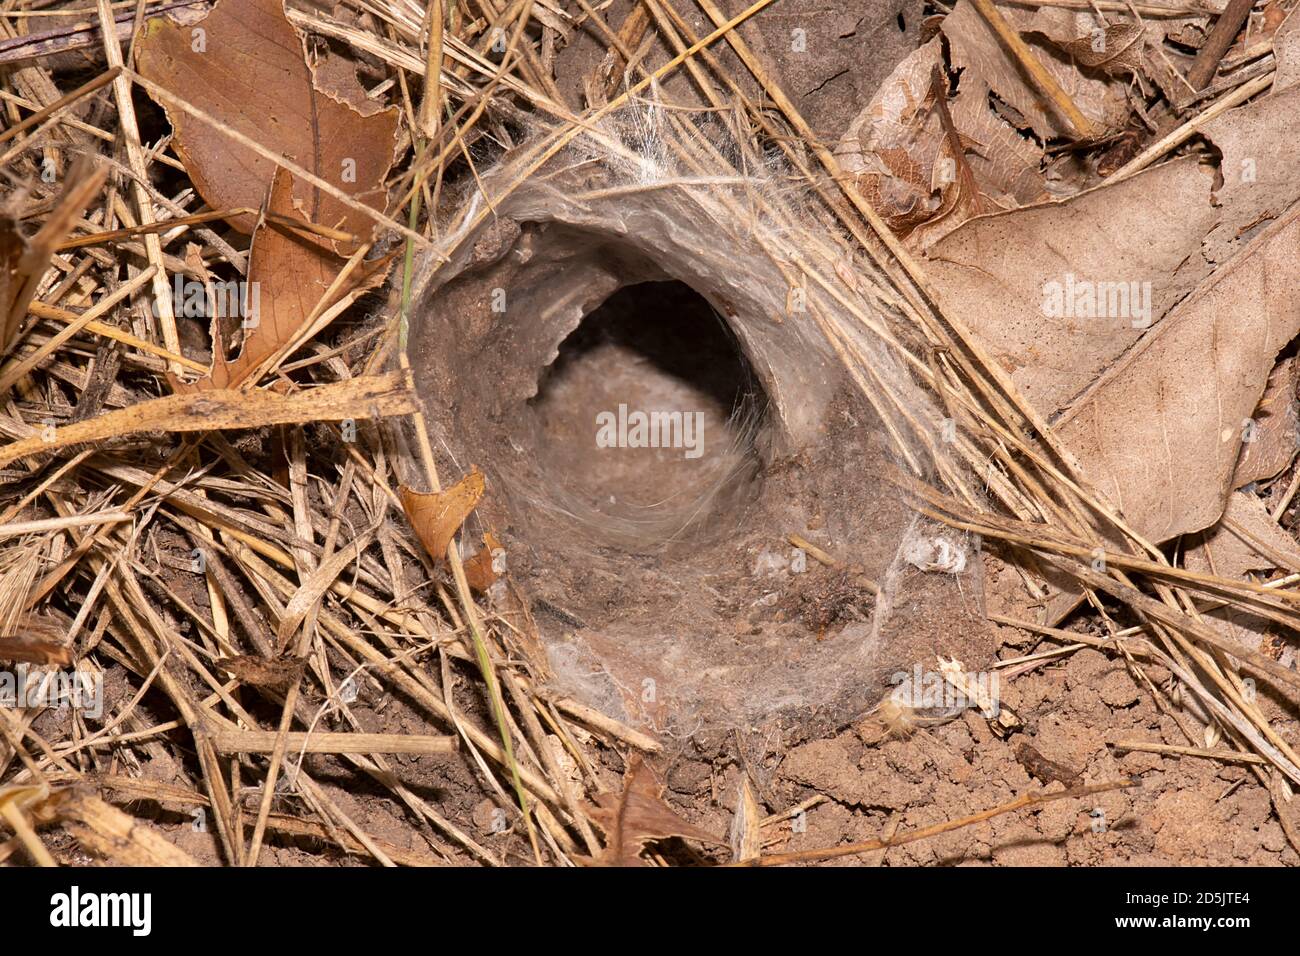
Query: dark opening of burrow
650, 420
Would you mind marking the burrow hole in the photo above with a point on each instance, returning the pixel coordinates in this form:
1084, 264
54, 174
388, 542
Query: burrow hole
650, 419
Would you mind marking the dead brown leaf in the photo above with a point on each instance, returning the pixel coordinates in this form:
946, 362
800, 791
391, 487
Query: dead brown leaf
251, 74
1286, 51
1276, 437
1165, 229
481, 570
976, 47
291, 270
437, 516
998, 272
1116, 51
1161, 432
1260, 147
638, 816
907, 163
1245, 539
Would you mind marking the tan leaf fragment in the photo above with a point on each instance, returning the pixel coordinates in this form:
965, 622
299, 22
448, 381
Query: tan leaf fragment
1286, 51
1260, 146
1275, 438
1245, 539
974, 46
437, 516
1116, 51
487, 565
636, 817
1160, 433
252, 75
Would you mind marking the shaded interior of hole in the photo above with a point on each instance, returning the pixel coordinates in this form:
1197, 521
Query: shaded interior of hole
654, 364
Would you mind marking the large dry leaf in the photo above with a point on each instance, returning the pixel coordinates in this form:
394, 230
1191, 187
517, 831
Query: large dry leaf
636, 817
437, 516
375, 396
251, 74
291, 270
1161, 432
1164, 226
997, 271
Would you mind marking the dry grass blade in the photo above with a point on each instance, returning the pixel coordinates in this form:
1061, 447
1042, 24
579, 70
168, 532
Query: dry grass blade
23, 263
866, 846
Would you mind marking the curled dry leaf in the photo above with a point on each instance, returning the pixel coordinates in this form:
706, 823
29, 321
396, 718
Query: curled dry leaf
636, 817
437, 516
1116, 51
1120, 48
244, 65
907, 159
976, 47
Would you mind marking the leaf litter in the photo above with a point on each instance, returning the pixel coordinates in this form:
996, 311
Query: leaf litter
1168, 421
